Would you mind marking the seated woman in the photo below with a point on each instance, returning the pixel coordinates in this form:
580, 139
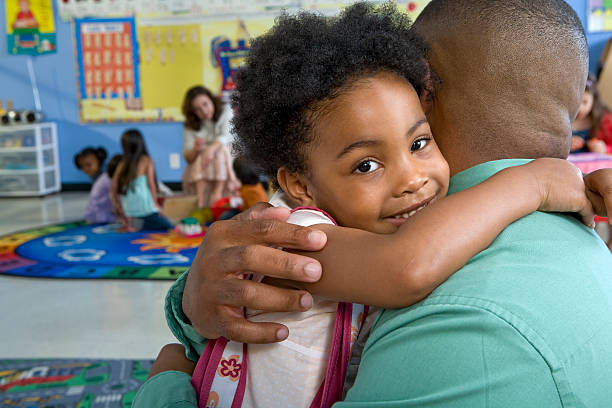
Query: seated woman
206, 146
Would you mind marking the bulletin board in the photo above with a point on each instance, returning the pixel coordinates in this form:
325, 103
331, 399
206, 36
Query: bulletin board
108, 71
30, 27
172, 45
599, 15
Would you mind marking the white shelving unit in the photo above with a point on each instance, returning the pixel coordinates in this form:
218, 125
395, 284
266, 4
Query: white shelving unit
29, 162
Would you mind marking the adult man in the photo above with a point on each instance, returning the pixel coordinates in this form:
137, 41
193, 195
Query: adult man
528, 322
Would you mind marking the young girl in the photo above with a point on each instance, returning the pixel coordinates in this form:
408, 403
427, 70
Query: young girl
134, 189
587, 130
90, 161
206, 146
99, 204
344, 136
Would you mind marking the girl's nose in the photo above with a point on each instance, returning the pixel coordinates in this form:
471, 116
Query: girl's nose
410, 178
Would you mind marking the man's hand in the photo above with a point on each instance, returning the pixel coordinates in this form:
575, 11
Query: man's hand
215, 293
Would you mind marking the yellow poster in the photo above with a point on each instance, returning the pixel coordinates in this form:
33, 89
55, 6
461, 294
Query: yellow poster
30, 27
30, 14
171, 61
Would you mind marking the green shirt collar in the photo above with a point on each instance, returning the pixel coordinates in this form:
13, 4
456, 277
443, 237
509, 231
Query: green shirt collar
479, 173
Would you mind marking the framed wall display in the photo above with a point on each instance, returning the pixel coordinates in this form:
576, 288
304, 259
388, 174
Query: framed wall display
30, 27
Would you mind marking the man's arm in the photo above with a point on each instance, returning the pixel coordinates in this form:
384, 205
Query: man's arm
451, 356
214, 291
169, 389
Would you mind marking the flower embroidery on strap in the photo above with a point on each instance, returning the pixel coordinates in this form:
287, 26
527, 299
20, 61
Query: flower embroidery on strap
230, 367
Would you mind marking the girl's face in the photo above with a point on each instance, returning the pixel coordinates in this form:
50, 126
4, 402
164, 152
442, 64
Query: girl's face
373, 162
585, 105
203, 107
90, 165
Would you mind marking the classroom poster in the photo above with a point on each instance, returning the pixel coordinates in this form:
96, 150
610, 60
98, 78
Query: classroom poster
30, 27
171, 61
599, 15
169, 46
226, 47
107, 69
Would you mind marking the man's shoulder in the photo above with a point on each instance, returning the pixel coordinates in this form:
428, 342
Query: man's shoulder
551, 291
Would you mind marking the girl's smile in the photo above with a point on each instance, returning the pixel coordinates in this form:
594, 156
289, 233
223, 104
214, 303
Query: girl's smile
373, 162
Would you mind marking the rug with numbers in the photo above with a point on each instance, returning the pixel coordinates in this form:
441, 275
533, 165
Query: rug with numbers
71, 382
78, 250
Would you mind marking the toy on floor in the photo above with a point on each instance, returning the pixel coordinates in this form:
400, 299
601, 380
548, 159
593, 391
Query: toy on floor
208, 215
189, 227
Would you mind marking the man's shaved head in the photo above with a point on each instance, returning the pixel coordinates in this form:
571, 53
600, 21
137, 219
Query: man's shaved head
512, 74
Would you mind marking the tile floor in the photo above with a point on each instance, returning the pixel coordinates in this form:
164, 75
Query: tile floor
75, 318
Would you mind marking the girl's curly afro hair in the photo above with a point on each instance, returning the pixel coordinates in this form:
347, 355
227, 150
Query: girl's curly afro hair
308, 59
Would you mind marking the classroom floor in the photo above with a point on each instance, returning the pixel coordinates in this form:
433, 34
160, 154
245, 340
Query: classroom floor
51, 318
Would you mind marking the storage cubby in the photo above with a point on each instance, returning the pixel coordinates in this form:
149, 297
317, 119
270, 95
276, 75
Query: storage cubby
29, 164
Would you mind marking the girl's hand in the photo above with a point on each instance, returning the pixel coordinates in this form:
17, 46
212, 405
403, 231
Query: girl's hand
599, 191
199, 143
171, 358
561, 188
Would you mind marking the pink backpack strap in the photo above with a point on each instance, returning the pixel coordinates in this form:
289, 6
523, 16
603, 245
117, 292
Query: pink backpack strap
349, 320
220, 374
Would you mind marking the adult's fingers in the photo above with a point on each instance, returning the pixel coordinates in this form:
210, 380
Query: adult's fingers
244, 331
263, 210
261, 296
270, 262
267, 232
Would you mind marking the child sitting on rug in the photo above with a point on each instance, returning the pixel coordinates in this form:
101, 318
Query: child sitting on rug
90, 161
100, 205
134, 186
347, 142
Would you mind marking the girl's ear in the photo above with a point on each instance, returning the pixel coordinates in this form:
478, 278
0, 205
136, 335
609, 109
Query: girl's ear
295, 186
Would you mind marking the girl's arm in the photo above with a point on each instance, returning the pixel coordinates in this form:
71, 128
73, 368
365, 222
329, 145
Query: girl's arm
114, 191
151, 180
171, 358
399, 269
191, 148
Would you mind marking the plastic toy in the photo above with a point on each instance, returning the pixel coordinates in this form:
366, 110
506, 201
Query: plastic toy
189, 227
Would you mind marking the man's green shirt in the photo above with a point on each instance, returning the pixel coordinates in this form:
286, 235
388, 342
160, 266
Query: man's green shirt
526, 323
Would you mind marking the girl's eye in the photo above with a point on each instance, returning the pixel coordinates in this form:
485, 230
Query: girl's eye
367, 166
419, 144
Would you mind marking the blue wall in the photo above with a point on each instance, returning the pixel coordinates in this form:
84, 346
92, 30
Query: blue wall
55, 74
56, 79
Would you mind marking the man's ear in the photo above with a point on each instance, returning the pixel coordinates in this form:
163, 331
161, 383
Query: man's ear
295, 186
426, 94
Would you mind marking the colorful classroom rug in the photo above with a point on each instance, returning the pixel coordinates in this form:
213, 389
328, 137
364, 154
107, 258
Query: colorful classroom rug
71, 382
78, 250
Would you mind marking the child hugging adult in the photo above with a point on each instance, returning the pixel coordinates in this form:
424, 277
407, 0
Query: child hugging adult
206, 146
